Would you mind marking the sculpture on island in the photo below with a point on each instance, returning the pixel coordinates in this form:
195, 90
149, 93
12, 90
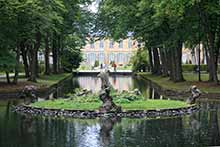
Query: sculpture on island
104, 95
196, 93
29, 92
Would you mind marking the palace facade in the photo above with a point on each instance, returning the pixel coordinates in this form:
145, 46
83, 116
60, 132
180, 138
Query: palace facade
106, 51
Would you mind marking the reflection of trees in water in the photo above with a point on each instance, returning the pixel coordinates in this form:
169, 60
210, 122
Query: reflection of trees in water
146, 88
163, 132
66, 87
107, 124
143, 86
199, 129
205, 125
213, 128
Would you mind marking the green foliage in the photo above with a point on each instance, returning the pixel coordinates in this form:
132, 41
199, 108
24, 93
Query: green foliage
26, 23
96, 63
165, 24
7, 61
71, 59
140, 60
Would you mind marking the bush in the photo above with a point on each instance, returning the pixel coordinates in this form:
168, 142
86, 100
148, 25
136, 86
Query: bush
191, 67
140, 60
96, 63
71, 59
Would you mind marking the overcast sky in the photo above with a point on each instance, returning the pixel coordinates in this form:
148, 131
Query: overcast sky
94, 6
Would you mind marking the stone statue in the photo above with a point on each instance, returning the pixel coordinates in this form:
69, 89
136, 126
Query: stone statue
104, 95
196, 93
29, 92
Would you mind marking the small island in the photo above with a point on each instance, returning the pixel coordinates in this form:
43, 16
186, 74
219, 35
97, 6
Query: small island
85, 104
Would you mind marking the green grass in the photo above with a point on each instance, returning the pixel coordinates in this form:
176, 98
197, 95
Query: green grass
191, 79
43, 82
135, 105
51, 79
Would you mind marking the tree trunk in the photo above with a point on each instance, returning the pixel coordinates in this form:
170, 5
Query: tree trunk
164, 62
150, 59
156, 59
8, 77
213, 60
61, 51
55, 54
25, 61
58, 53
176, 63
33, 76
37, 63
47, 55
207, 57
17, 62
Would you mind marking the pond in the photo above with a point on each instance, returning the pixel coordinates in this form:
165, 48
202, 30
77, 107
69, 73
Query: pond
199, 129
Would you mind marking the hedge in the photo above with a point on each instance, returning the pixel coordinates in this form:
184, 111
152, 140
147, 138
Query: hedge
191, 67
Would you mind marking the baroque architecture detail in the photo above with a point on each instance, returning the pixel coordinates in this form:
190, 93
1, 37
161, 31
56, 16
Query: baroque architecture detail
106, 51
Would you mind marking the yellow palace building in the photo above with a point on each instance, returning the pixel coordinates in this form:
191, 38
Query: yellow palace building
106, 51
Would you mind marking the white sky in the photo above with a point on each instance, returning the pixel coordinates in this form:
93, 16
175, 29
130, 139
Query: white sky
94, 6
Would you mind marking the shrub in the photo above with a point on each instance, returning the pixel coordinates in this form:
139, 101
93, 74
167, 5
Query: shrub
140, 60
96, 63
191, 67
71, 59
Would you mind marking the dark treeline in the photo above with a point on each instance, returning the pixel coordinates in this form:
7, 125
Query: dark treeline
54, 27
164, 26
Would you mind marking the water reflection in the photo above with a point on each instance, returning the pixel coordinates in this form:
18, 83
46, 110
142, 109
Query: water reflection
199, 129
93, 83
121, 83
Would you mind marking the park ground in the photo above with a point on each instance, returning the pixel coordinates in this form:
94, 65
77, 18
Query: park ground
43, 82
190, 79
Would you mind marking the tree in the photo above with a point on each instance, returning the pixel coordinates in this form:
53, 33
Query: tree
7, 63
28, 26
140, 61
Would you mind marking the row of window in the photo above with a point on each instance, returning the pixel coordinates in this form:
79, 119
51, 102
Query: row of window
117, 57
111, 44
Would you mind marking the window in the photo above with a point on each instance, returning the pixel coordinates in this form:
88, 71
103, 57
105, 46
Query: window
101, 44
101, 57
111, 57
111, 43
91, 58
121, 44
129, 43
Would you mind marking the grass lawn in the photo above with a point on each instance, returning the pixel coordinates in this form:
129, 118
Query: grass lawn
135, 105
191, 79
42, 82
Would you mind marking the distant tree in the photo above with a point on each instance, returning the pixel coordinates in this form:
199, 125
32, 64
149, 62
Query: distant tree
140, 60
7, 63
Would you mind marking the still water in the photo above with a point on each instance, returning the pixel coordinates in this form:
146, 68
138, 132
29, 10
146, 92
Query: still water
200, 129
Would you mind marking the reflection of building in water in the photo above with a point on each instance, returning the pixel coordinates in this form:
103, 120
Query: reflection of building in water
107, 50
94, 83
